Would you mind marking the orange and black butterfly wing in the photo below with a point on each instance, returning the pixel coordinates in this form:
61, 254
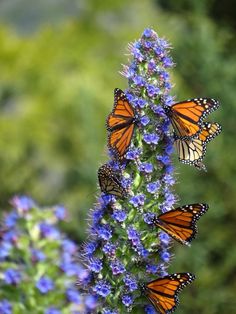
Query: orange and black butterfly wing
122, 112
209, 131
190, 151
187, 116
120, 124
193, 151
120, 139
180, 223
109, 182
163, 292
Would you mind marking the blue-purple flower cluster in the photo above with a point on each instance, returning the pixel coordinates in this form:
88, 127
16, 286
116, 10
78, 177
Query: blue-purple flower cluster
123, 250
38, 263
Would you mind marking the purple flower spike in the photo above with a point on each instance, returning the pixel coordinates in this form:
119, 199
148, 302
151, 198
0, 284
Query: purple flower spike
126, 247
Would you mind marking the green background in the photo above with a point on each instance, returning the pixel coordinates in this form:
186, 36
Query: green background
59, 64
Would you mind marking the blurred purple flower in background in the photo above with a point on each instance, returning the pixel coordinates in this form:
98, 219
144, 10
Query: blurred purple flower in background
32, 245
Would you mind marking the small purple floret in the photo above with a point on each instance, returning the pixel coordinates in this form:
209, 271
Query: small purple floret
45, 284
12, 276
102, 288
127, 300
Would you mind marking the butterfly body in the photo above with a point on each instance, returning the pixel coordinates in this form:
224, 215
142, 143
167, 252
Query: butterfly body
120, 124
180, 223
109, 182
187, 116
163, 292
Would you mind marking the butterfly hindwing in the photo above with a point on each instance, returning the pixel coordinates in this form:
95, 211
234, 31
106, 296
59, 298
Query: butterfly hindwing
192, 151
120, 124
163, 292
180, 223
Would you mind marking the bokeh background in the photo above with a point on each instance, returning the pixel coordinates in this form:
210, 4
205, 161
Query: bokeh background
59, 64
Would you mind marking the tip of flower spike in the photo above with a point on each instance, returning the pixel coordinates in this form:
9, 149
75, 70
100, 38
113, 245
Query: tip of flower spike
149, 33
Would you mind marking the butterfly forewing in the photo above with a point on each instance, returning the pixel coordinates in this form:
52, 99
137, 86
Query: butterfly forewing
180, 223
120, 124
122, 113
122, 105
210, 131
187, 116
163, 292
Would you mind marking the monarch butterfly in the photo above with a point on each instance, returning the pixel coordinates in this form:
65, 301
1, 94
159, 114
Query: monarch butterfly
180, 223
163, 292
120, 124
187, 116
192, 151
109, 182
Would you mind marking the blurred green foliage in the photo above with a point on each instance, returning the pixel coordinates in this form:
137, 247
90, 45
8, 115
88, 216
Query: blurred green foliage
56, 88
